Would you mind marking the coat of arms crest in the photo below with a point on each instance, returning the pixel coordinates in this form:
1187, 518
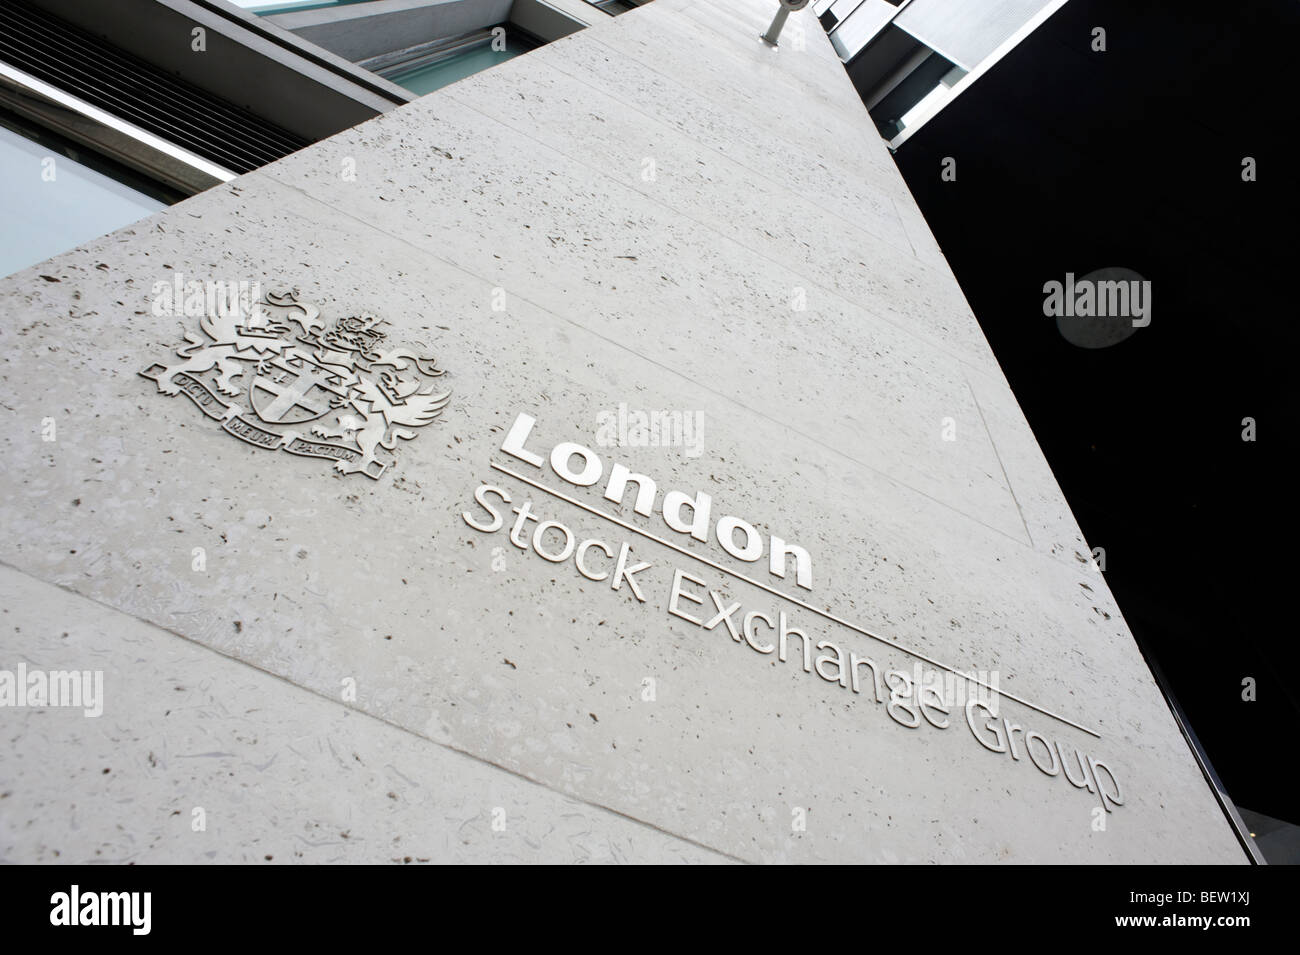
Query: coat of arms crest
279, 377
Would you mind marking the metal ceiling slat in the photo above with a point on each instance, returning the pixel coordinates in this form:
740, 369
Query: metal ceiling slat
153, 99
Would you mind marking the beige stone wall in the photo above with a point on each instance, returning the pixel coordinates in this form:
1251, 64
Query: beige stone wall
658, 213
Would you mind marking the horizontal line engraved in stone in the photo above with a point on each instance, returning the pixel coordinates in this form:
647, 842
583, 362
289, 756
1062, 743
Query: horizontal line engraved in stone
794, 600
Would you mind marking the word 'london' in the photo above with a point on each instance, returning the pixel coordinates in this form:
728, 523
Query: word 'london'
700, 505
905, 699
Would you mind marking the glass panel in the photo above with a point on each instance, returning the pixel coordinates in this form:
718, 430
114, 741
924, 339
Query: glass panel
613, 7
268, 7
50, 203
435, 76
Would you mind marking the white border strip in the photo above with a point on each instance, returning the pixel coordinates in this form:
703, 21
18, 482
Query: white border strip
984, 65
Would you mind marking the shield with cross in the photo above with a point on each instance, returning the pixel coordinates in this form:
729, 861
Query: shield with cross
291, 388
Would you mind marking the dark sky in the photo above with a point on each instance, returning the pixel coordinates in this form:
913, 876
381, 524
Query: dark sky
1070, 160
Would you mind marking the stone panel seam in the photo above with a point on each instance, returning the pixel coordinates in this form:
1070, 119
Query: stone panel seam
845, 224
837, 452
369, 715
945, 280
726, 43
678, 213
1006, 478
871, 145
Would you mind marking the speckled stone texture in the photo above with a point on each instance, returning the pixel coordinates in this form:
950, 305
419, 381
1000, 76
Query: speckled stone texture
673, 217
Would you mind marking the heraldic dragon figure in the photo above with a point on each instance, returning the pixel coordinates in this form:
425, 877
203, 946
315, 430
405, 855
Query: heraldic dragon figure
272, 369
